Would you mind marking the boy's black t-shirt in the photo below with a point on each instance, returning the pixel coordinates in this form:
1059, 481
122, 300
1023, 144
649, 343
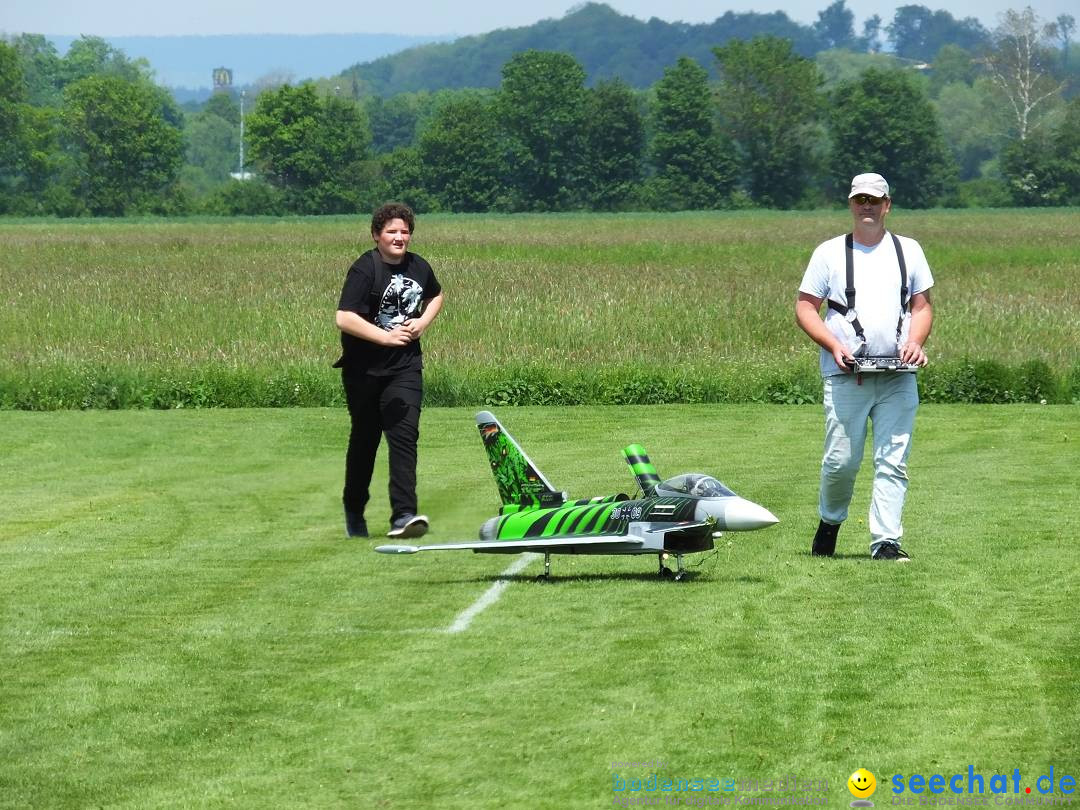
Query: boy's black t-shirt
386, 295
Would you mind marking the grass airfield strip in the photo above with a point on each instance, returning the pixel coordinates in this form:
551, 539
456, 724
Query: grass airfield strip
185, 624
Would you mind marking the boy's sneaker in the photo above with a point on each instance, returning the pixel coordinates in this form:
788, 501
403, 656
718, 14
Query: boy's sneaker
408, 526
355, 525
891, 551
825, 539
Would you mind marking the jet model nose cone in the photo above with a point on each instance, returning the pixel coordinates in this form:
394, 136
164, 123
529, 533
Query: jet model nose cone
750, 516
740, 515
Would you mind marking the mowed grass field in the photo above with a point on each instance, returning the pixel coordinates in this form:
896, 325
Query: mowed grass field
185, 625
705, 298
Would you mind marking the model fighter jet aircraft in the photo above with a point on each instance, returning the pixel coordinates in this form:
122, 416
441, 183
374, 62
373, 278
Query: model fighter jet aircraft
678, 516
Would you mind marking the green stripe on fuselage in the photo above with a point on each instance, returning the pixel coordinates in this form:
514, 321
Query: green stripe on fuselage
608, 515
583, 519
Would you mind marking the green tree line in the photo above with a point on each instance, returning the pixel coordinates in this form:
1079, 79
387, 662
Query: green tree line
761, 125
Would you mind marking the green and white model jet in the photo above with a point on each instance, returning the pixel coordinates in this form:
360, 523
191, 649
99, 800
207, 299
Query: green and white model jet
681, 515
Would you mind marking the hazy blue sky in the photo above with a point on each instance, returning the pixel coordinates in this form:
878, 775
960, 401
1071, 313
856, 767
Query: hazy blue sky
426, 17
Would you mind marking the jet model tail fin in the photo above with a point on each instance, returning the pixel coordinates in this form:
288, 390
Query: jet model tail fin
520, 483
642, 468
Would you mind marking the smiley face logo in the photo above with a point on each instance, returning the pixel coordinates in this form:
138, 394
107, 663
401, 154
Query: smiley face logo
862, 784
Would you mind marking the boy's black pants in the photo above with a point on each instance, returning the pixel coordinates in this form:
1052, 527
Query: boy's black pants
378, 406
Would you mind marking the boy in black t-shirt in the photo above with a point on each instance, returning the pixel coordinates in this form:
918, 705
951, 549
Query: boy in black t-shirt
390, 297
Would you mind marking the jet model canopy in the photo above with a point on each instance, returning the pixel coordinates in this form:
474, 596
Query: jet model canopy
696, 485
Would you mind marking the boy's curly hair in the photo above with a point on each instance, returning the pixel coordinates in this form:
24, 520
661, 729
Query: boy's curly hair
388, 211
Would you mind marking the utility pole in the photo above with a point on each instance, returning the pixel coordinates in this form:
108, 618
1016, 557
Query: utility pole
242, 94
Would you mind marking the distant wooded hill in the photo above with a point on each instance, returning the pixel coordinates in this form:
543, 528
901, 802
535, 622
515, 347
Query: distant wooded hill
188, 61
606, 43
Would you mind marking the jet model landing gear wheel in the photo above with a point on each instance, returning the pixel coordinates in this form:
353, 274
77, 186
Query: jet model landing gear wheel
681, 573
546, 576
666, 573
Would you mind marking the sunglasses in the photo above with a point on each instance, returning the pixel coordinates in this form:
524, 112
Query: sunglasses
866, 199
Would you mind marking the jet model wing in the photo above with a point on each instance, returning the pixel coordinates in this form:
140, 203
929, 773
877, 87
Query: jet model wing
683, 528
540, 544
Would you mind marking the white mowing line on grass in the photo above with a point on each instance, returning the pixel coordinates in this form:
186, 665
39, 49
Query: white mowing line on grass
490, 596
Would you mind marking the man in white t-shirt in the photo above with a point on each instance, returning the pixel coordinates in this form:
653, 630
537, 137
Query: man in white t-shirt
880, 315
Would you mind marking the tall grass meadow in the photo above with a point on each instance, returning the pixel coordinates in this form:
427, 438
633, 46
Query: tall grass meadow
541, 309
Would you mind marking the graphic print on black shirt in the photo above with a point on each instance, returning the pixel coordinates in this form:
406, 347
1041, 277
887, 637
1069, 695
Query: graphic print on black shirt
386, 296
400, 301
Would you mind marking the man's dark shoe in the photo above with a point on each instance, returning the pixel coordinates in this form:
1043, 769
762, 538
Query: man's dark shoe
891, 551
408, 526
355, 525
825, 539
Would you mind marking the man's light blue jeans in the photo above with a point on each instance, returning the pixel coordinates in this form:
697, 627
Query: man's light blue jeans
888, 401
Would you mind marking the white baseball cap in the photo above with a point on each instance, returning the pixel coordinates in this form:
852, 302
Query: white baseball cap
872, 184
